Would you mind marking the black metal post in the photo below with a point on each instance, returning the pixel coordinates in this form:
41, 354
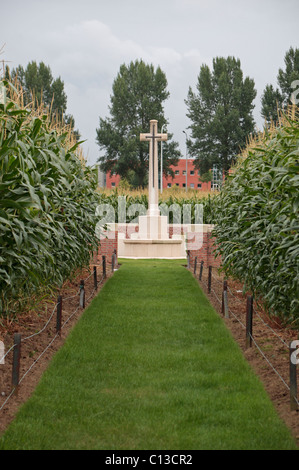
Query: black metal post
16, 360
223, 290
201, 269
59, 315
249, 311
293, 376
112, 263
210, 279
104, 266
82, 294
95, 278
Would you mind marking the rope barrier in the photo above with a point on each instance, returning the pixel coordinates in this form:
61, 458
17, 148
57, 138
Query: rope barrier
53, 339
213, 292
92, 293
256, 312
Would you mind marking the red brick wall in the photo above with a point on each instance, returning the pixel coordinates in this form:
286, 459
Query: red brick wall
112, 180
180, 179
107, 247
200, 245
204, 253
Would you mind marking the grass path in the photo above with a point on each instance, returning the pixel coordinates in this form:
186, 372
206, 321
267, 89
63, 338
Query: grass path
150, 365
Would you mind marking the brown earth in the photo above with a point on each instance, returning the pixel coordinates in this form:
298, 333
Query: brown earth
39, 326
37, 351
269, 349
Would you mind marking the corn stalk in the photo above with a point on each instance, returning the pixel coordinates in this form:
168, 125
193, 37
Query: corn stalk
257, 224
47, 205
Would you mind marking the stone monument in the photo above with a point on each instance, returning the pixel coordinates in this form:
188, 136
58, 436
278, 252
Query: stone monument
153, 138
152, 240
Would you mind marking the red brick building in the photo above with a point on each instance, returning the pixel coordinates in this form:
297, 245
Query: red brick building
192, 180
179, 179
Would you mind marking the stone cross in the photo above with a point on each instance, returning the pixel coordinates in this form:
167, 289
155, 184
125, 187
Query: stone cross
153, 190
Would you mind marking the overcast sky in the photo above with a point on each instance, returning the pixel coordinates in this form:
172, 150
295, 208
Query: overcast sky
85, 42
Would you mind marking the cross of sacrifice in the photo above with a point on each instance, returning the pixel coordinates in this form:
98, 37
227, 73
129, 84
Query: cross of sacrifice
153, 137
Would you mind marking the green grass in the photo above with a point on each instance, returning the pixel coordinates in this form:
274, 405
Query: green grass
150, 365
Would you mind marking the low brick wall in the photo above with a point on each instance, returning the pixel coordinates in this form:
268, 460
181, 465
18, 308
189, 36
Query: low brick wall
200, 243
206, 252
108, 246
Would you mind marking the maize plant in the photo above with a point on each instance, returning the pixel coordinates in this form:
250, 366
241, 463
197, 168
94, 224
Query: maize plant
47, 207
257, 224
140, 201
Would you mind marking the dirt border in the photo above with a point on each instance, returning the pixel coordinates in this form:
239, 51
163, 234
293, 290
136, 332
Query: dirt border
33, 321
265, 333
39, 326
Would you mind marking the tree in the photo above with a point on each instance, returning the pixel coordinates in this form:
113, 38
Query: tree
271, 103
138, 95
221, 114
278, 99
286, 77
39, 86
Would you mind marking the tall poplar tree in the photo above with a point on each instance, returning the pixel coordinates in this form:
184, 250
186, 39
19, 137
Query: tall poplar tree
41, 88
220, 113
38, 84
277, 99
139, 92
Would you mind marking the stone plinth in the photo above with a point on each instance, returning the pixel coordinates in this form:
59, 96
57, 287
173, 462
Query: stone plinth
154, 249
153, 227
152, 240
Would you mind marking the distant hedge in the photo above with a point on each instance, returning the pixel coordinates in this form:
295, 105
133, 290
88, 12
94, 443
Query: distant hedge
257, 224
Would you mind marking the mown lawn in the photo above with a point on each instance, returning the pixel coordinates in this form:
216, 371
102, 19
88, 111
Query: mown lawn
150, 365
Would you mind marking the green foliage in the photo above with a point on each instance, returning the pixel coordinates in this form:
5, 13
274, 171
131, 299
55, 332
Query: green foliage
191, 206
119, 202
287, 79
47, 207
38, 84
205, 177
271, 103
138, 95
257, 226
166, 205
221, 114
41, 89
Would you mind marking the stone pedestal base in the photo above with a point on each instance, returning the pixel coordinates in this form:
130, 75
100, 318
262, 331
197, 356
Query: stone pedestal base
152, 240
152, 227
154, 249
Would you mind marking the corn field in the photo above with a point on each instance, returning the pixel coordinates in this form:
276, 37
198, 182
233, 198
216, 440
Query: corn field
47, 206
257, 224
177, 198
48, 201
